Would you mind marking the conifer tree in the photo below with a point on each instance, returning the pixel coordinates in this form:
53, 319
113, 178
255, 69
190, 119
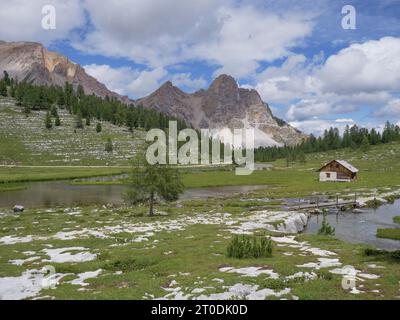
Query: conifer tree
47, 121
151, 181
3, 88
109, 146
78, 120
57, 121
54, 112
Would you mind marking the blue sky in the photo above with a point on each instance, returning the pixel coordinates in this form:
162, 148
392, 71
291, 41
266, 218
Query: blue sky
311, 71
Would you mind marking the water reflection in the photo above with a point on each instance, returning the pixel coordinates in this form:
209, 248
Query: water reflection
361, 227
51, 194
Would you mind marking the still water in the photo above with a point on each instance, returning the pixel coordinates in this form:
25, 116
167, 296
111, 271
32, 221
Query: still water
52, 194
350, 227
361, 227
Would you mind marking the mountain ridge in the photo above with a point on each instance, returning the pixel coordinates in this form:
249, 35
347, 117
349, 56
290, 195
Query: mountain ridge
222, 105
31, 61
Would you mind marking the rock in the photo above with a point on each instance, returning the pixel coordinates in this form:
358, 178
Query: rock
31, 61
357, 211
18, 208
224, 105
294, 224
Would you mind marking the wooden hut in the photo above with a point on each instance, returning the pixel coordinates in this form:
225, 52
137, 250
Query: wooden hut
339, 171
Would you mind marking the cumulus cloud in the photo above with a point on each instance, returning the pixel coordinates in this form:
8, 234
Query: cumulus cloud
307, 109
317, 126
116, 79
147, 81
233, 37
363, 67
21, 20
292, 80
247, 36
361, 77
126, 81
311, 108
391, 109
186, 80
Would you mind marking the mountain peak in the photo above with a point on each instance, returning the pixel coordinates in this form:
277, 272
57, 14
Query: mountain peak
167, 84
223, 105
169, 89
224, 81
31, 61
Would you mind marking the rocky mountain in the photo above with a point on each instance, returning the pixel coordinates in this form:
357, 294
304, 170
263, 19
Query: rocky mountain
224, 105
33, 62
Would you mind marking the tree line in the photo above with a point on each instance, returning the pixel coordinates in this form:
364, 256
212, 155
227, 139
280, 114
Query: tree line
87, 107
84, 107
353, 137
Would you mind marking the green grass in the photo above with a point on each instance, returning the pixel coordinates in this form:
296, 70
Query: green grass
11, 187
26, 141
379, 169
12, 149
29, 174
396, 219
393, 234
146, 267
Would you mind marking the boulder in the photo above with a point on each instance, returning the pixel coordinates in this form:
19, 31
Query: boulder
18, 208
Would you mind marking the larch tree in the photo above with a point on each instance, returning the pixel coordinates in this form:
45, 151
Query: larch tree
151, 182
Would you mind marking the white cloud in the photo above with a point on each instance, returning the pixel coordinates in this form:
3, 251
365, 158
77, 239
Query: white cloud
391, 109
147, 82
116, 79
363, 75
365, 67
345, 120
318, 126
163, 33
186, 80
137, 84
307, 109
311, 108
21, 20
247, 36
127, 81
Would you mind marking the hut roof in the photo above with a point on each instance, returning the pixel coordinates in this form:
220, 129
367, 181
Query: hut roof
343, 163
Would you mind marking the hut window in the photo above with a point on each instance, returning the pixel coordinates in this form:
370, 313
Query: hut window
328, 175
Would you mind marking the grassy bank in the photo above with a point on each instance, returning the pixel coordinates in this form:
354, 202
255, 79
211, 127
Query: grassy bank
30, 174
11, 187
393, 234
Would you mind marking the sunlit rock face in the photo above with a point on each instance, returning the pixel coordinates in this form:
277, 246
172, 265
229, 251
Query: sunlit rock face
224, 105
32, 62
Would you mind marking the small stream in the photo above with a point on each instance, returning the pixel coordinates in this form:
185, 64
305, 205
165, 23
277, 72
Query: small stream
361, 227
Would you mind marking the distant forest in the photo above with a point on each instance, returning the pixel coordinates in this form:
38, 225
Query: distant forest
353, 137
33, 97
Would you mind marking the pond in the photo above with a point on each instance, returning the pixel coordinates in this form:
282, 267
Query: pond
62, 193
361, 227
